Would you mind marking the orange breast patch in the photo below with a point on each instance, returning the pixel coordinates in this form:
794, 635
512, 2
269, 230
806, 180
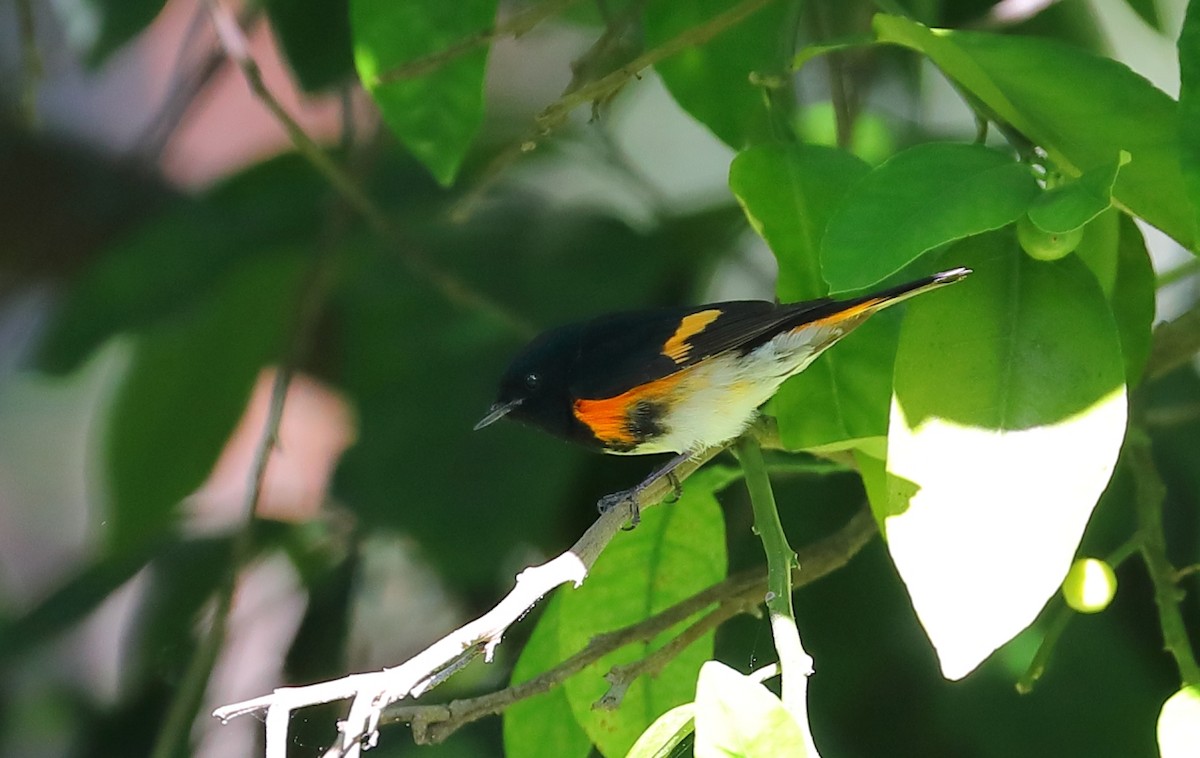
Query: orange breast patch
609, 417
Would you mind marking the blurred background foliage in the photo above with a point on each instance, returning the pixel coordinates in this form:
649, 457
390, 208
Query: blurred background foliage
163, 246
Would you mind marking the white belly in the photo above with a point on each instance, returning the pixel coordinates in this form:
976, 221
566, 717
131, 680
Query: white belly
721, 396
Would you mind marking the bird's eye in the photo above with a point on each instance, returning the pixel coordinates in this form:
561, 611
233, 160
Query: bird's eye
532, 382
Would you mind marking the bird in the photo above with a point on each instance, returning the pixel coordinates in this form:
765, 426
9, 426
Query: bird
676, 380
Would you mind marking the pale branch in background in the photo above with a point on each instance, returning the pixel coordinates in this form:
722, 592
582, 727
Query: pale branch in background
514, 26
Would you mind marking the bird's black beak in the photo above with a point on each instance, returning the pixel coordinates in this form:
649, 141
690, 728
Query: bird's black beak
497, 412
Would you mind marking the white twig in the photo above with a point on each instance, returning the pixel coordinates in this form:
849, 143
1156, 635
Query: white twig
373, 692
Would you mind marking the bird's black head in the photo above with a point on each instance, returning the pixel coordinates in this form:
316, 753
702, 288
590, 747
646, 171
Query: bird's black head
535, 387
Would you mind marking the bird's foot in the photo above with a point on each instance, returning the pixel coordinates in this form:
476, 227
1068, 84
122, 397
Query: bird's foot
627, 498
676, 487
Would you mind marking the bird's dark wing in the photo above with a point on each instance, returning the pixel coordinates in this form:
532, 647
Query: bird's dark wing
622, 350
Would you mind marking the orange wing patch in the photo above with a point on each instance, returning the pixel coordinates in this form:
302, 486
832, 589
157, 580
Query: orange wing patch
677, 347
609, 417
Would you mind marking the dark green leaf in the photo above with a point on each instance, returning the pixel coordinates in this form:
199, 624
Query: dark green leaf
1113, 248
168, 264
920, 199
678, 550
119, 22
72, 601
1007, 417
315, 36
1189, 106
712, 81
1080, 108
435, 114
1069, 206
543, 726
185, 390
1148, 10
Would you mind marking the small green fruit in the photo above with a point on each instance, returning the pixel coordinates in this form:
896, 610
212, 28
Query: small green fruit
1045, 246
1090, 585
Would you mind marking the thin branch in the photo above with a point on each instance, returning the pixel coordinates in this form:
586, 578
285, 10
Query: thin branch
795, 665
743, 591
1148, 500
620, 677
1175, 343
186, 703
372, 692
515, 26
236, 47
1060, 616
31, 58
556, 114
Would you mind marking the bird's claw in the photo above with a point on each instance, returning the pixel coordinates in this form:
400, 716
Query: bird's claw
627, 498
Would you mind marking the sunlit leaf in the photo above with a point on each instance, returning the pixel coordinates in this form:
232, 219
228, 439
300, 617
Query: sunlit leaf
737, 716
543, 726
668, 730
677, 550
1080, 108
1007, 417
437, 113
1179, 724
920, 199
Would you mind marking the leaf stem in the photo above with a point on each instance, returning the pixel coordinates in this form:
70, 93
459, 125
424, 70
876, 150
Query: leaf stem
794, 663
1149, 495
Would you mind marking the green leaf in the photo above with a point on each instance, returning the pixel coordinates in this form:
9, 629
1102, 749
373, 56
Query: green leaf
1148, 11
1113, 248
118, 22
1179, 724
165, 266
737, 716
1189, 107
436, 114
663, 736
920, 199
677, 550
841, 400
184, 392
543, 725
315, 36
1080, 108
788, 192
1069, 206
1008, 413
712, 81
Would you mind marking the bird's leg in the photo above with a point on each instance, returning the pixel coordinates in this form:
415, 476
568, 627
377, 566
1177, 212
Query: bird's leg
629, 497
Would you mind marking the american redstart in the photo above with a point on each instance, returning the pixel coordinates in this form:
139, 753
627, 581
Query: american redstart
678, 380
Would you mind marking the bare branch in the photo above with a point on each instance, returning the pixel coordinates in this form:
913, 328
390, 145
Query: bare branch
741, 593
372, 692
516, 25
236, 47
